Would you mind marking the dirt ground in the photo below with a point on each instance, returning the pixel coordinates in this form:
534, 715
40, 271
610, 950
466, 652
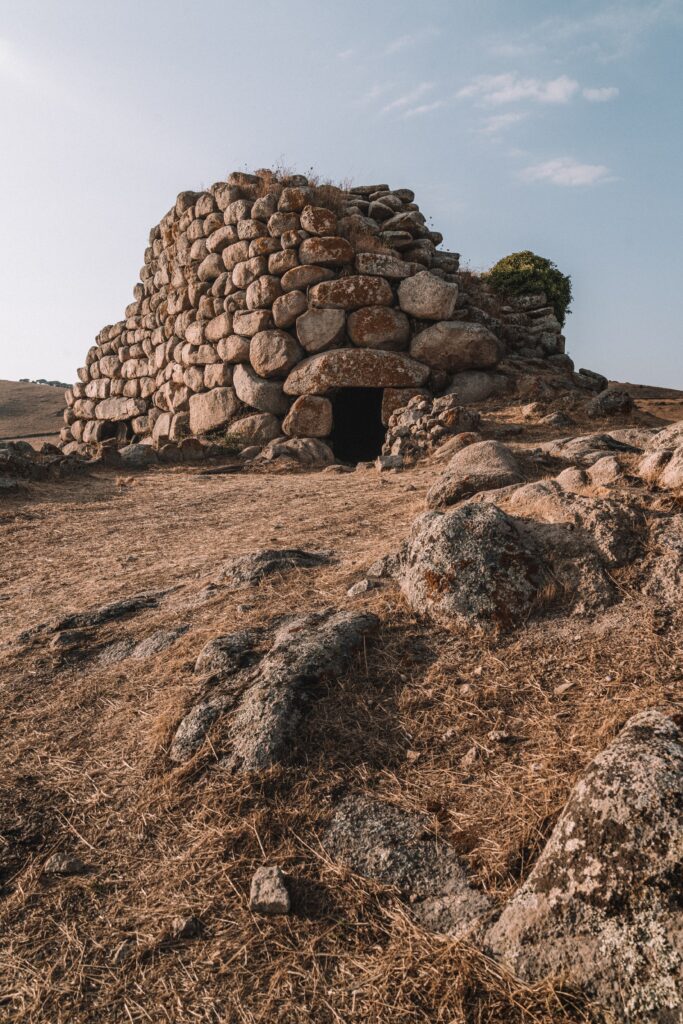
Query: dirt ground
84, 767
32, 411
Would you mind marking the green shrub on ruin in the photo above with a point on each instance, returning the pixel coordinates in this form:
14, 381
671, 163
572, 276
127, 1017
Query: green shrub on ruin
524, 273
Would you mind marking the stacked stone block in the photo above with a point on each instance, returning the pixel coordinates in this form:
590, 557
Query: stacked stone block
259, 297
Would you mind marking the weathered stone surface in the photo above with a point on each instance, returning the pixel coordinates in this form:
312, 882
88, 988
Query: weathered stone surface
665, 564
427, 297
479, 467
217, 375
287, 307
248, 271
455, 345
234, 349
397, 398
138, 456
358, 368
668, 439
390, 267
383, 842
268, 893
64, 864
93, 616
117, 409
304, 650
219, 327
274, 353
248, 570
210, 268
611, 402
469, 567
247, 324
352, 292
302, 277
264, 395
601, 907
472, 386
309, 416
211, 410
671, 475
306, 451
226, 655
379, 327
614, 528
326, 252
651, 466
259, 428
320, 329
317, 220
277, 691
294, 198
262, 293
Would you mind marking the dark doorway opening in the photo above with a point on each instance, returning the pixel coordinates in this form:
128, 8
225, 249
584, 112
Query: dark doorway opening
358, 431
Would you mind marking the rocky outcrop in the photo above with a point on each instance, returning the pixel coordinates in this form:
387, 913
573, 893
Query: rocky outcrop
479, 467
382, 842
268, 701
601, 907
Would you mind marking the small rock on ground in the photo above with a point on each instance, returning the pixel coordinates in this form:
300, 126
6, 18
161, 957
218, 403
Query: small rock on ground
269, 893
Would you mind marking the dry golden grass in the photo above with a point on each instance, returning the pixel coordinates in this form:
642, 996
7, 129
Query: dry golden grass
30, 410
486, 736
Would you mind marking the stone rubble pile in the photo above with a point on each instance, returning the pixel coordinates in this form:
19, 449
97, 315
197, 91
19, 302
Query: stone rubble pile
260, 297
425, 423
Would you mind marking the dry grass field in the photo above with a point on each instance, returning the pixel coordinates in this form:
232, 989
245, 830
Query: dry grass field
30, 411
416, 720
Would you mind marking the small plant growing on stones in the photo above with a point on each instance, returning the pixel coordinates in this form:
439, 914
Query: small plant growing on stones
524, 273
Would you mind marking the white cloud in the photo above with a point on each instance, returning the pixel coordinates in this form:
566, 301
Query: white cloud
409, 98
499, 122
425, 108
602, 95
410, 39
611, 31
567, 172
376, 91
496, 90
345, 54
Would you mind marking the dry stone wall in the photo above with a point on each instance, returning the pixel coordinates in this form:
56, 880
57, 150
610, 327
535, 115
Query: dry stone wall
260, 297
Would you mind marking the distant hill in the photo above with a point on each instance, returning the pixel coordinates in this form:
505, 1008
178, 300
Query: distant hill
30, 410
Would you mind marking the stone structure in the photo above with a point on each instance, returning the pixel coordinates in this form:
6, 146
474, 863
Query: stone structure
261, 300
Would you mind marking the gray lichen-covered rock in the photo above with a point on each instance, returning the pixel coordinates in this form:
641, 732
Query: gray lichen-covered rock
384, 843
665, 561
250, 569
226, 655
601, 908
268, 699
471, 386
427, 297
469, 567
454, 345
265, 723
479, 467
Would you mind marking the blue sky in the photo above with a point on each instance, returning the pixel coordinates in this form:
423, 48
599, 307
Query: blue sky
554, 127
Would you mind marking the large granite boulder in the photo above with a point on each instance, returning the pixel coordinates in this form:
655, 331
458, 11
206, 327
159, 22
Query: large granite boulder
601, 907
455, 345
354, 368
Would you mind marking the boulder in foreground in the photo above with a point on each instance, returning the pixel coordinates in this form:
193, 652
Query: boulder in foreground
601, 908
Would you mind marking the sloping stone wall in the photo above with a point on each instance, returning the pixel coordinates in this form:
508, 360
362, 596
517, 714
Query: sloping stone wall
259, 297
